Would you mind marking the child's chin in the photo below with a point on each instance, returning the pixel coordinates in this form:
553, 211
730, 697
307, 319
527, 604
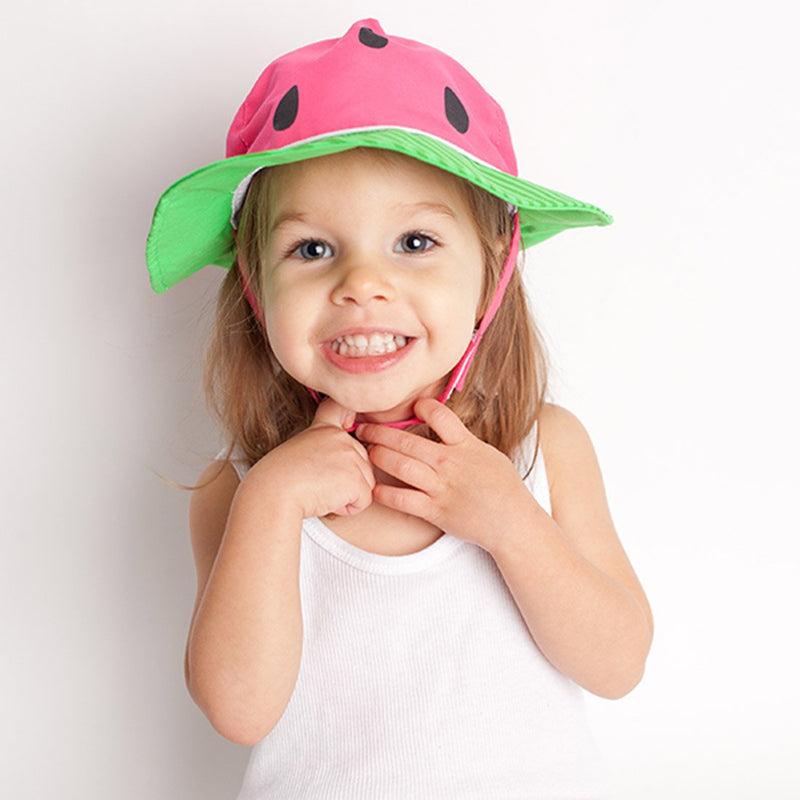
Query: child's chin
389, 412
367, 403
383, 407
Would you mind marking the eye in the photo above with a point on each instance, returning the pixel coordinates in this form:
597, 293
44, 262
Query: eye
414, 242
312, 249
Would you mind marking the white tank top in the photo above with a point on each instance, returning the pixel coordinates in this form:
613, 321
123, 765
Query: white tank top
419, 679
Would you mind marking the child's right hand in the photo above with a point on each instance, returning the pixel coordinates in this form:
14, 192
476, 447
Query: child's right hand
322, 470
245, 642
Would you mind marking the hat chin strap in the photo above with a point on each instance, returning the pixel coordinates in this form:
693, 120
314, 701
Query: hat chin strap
455, 382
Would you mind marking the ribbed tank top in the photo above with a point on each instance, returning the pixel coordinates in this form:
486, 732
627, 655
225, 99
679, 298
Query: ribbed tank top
419, 679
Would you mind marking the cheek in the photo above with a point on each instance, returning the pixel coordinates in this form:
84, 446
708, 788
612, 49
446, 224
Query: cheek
456, 320
285, 336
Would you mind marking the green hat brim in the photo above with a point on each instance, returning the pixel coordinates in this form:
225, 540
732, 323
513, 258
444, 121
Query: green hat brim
191, 225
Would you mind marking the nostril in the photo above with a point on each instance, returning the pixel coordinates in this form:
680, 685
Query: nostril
361, 298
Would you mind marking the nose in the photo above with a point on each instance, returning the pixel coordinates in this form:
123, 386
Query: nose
363, 281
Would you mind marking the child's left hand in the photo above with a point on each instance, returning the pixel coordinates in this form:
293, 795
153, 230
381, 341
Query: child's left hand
462, 485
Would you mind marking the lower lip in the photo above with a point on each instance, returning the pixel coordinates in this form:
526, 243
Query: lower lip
367, 364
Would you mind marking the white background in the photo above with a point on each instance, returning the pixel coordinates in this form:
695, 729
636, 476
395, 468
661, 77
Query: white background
673, 336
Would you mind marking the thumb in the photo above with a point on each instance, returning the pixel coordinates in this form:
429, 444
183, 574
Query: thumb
331, 413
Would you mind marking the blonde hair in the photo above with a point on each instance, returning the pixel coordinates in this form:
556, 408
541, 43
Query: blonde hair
260, 405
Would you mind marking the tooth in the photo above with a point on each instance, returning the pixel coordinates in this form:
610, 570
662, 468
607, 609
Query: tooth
358, 345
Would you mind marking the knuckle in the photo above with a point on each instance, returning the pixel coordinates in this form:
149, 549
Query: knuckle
406, 444
403, 502
396, 499
439, 413
405, 470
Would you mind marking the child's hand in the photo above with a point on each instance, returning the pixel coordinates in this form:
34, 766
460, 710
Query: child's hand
462, 485
322, 470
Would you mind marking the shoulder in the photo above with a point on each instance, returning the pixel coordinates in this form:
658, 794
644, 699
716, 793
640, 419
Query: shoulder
556, 422
565, 444
216, 486
577, 491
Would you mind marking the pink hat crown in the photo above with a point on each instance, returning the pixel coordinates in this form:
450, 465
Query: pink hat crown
368, 80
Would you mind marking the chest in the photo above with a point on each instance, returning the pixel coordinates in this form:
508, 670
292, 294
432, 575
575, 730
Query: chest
419, 670
384, 531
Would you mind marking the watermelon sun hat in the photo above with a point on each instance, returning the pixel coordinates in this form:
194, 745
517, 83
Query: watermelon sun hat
366, 89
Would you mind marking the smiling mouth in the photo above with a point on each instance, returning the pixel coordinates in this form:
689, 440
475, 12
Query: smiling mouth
361, 345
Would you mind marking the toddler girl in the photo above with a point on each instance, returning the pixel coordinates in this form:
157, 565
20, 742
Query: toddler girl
395, 599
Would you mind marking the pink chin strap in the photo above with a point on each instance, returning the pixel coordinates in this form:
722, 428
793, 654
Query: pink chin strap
457, 377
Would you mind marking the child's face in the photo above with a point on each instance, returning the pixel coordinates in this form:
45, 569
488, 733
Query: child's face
372, 277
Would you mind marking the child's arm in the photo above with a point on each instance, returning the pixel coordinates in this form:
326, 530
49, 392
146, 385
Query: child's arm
568, 573
243, 652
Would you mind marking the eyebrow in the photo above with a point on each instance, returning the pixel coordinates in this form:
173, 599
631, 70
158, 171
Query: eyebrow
441, 209
437, 208
287, 216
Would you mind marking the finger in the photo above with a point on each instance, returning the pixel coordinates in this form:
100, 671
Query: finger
356, 494
356, 506
331, 413
442, 420
365, 467
410, 444
408, 470
407, 501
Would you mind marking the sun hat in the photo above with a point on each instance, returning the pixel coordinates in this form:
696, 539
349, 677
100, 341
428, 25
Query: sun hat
366, 89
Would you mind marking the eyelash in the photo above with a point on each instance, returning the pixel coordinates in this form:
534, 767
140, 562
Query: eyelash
434, 242
295, 248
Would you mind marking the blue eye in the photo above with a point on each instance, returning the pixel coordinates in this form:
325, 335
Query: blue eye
313, 249
414, 243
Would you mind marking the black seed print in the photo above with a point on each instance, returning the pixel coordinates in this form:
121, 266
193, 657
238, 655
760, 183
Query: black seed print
455, 111
369, 38
286, 112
